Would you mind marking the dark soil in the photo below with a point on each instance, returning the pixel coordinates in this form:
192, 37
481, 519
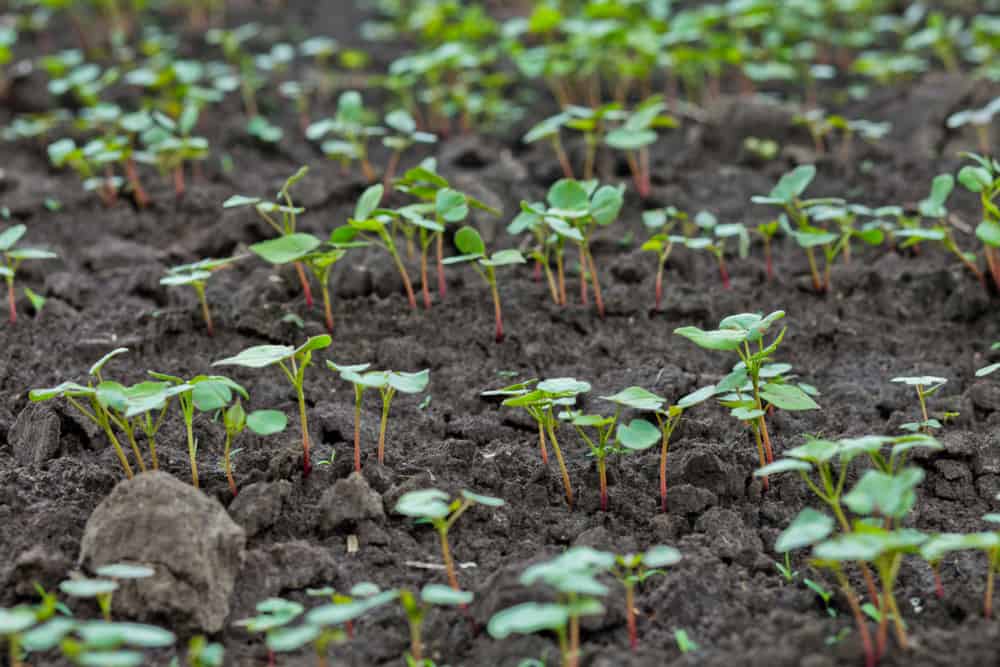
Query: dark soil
889, 314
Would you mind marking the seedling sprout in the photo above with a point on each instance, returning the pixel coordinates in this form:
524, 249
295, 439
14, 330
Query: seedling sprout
197, 276
631, 569
13, 256
925, 385
235, 419
293, 362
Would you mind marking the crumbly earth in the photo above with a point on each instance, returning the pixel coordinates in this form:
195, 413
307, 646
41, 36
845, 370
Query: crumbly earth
890, 313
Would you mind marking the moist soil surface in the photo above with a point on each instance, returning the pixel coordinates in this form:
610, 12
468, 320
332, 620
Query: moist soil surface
889, 313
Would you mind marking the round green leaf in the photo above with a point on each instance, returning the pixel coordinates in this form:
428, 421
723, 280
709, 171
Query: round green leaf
425, 503
267, 422
469, 242
88, 588
445, 596
638, 434
125, 571
287, 248
527, 618
809, 527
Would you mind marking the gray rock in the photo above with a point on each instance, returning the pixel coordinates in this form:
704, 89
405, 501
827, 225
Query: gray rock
987, 456
258, 506
687, 499
296, 565
187, 537
34, 437
730, 538
985, 395
349, 501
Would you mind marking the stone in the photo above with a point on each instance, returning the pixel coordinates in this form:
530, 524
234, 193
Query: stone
349, 501
257, 506
185, 536
687, 499
34, 437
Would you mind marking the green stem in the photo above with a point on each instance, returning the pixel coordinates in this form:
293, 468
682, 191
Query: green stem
562, 463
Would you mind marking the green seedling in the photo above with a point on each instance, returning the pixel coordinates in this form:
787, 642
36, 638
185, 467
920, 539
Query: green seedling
236, 420
97, 397
550, 130
983, 179
980, 119
360, 593
203, 653
785, 569
573, 576
660, 222
293, 362
632, 569
824, 595
100, 590
438, 509
684, 643
285, 207
573, 210
170, 145
197, 275
388, 383
374, 225
404, 134
787, 194
636, 134
202, 393
713, 240
845, 216
991, 368
941, 545
416, 608
448, 205
13, 256
108, 643
539, 400
473, 249
933, 207
274, 615
767, 232
326, 619
637, 435
594, 124
750, 386
925, 385
87, 161
352, 126
234, 47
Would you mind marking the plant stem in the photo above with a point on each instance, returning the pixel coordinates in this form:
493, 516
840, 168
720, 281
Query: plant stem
206, 314
817, 283
135, 446
562, 463
11, 301
988, 596
665, 445
633, 166
192, 451
327, 306
584, 268
644, 183
141, 198
633, 633
541, 443
761, 455
442, 284
923, 409
228, 464
390, 171
561, 274
366, 167
424, 287
382, 429
410, 296
938, 584
358, 391
550, 279
598, 299
859, 618
179, 180
724, 272
767, 258
497, 314
602, 474
561, 155
659, 288
306, 290
449, 562
306, 462
416, 647
574, 641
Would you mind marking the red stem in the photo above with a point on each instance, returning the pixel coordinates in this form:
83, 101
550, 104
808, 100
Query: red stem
659, 288
538, 272
583, 277
724, 272
12, 302
306, 290
603, 476
424, 288
442, 284
179, 181
938, 585
633, 632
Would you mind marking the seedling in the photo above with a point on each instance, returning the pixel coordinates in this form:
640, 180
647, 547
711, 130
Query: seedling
100, 590
359, 593
767, 231
13, 256
404, 135
293, 362
661, 222
925, 385
202, 393
273, 616
86, 162
980, 119
991, 368
373, 225
632, 569
197, 276
714, 240
436, 507
984, 180
261, 422
388, 384
574, 210
202, 653
549, 130
170, 145
787, 194
539, 400
97, 412
14, 622
636, 135
639, 432
473, 249
107, 643
684, 643
353, 128
736, 333
285, 207
416, 609
934, 207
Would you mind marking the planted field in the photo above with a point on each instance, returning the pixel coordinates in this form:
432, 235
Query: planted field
510, 334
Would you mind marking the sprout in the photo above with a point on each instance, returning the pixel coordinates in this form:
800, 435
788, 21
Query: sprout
753, 382
353, 128
360, 593
169, 144
436, 508
631, 569
984, 179
101, 590
473, 249
636, 134
293, 363
235, 419
980, 119
416, 609
660, 222
13, 256
404, 134
197, 276
388, 384
549, 129
539, 400
926, 385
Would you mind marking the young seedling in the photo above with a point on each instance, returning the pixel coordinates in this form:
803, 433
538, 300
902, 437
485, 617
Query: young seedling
787, 194
97, 412
540, 401
197, 276
109, 643
984, 179
404, 135
352, 126
438, 509
713, 240
285, 207
981, 119
632, 569
416, 609
660, 222
473, 249
767, 232
273, 616
100, 590
925, 385
169, 145
293, 362
736, 333
373, 225
236, 420
13, 256
14, 623
549, 130
636, 135
359, 596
